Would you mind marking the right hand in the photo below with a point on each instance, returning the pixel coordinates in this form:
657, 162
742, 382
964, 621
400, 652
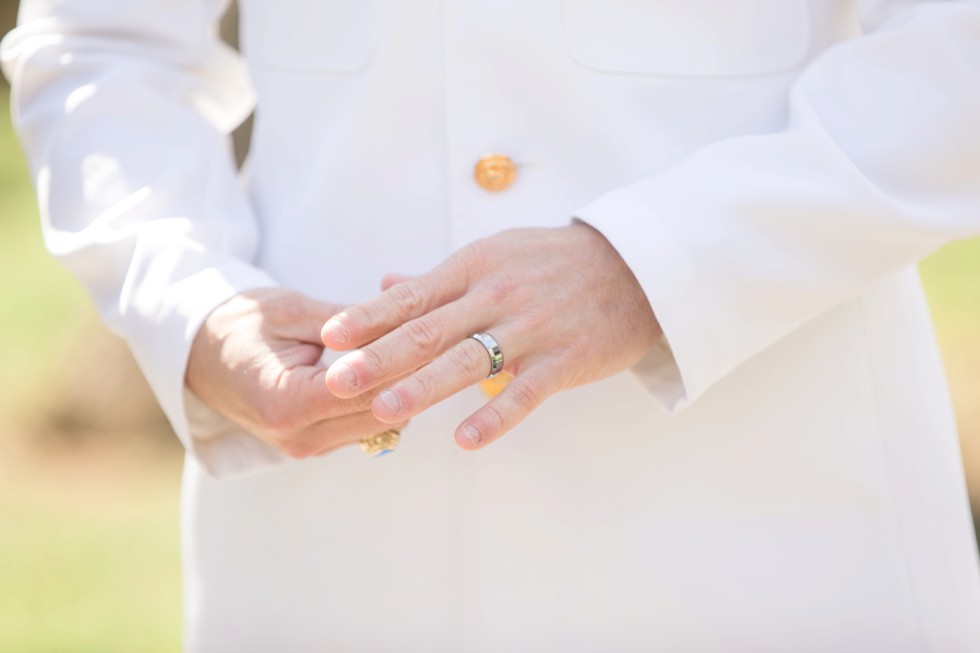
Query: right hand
256, 359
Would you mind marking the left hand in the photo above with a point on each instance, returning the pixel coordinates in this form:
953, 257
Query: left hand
563, 305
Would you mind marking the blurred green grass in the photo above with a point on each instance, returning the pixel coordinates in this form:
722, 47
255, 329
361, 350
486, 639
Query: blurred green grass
952, 281
90, 557
89, 539
89, 532
39, 298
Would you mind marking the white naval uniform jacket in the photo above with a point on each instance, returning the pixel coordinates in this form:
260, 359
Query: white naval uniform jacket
782, 474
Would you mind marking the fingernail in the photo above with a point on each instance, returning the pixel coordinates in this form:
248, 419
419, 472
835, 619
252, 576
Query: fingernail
335, 330
390, 399
345, 374
471, 433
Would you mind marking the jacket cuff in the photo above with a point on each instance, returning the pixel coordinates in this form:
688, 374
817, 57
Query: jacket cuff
692, 355
161, 337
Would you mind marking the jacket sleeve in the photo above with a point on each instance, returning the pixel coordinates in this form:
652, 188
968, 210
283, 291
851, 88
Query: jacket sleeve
124, 108
752, 237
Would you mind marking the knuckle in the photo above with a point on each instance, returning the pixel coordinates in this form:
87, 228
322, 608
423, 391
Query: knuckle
363, 320
375, 361
495, 418
424, 385
469, 357
357, 317
524, 395
407, 298
424, 336
475, 251
471, 258
501, 287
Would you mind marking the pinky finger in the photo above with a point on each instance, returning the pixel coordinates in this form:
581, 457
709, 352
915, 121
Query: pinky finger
523, 394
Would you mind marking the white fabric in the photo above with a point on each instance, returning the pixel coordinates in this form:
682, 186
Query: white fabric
770, 169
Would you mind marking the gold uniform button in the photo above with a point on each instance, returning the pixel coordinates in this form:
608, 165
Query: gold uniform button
495, 172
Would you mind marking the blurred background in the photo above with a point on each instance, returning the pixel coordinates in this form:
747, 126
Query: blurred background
90, 471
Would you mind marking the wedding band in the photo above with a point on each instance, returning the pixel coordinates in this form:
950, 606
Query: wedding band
493, 348
381, 443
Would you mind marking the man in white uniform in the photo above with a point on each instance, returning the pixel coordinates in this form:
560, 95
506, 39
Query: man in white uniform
752, 447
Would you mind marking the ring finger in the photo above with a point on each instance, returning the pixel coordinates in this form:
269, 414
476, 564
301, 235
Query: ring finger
464, 364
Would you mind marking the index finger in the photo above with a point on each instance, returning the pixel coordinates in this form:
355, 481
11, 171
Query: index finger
360, 324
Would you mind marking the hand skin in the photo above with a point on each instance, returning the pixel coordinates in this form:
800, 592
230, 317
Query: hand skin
255, 360
563, 305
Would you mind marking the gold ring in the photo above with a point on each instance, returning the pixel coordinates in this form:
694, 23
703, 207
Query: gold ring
380, 444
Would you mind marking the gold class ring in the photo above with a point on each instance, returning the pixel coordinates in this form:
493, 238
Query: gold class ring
380, 444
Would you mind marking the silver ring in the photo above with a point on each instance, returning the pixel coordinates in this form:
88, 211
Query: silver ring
493, 348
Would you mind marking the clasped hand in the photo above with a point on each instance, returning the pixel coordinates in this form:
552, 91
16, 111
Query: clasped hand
563, 305
256, 360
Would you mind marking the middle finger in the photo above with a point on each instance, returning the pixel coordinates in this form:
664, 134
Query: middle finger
405, 349
463, 365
